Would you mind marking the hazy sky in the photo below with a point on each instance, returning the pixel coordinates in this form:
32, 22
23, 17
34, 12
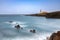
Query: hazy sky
28, 6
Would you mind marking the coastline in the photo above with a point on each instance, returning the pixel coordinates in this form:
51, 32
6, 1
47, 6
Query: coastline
55, 14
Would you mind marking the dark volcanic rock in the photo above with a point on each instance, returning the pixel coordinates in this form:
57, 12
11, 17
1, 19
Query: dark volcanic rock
55, 36
33, 31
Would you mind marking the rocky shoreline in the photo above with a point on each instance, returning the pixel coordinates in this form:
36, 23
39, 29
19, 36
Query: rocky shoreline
43, 14
55, 14
54, 36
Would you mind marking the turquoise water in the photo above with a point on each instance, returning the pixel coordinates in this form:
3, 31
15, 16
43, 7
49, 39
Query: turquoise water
43, 26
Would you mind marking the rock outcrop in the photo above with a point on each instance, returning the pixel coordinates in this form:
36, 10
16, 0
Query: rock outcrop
55, 36
33, 31
53, 14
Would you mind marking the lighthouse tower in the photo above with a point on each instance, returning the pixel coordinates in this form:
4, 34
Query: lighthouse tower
40, 11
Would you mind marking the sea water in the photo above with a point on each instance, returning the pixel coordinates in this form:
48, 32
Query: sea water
44, 27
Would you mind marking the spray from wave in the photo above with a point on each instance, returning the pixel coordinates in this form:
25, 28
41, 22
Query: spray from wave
13, 23
12, 34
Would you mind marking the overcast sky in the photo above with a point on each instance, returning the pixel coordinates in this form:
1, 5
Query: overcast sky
28, 6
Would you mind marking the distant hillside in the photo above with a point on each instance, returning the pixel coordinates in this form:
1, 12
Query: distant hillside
38, 14
55, 14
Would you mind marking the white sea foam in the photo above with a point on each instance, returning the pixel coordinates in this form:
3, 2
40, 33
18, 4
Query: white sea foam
15, 22
22, 24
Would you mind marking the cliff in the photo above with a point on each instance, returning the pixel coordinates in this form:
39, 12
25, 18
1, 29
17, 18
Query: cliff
55, 36
53, 14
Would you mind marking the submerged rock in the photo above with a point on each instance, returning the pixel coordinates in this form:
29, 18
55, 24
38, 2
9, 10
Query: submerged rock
55, 36
33, 31
17, 27
10, 21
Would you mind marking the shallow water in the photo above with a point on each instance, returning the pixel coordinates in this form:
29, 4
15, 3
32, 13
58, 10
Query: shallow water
44, 27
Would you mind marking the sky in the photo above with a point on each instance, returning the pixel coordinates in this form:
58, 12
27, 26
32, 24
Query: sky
28, 6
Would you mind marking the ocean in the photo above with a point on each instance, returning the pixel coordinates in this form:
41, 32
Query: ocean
44, 27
